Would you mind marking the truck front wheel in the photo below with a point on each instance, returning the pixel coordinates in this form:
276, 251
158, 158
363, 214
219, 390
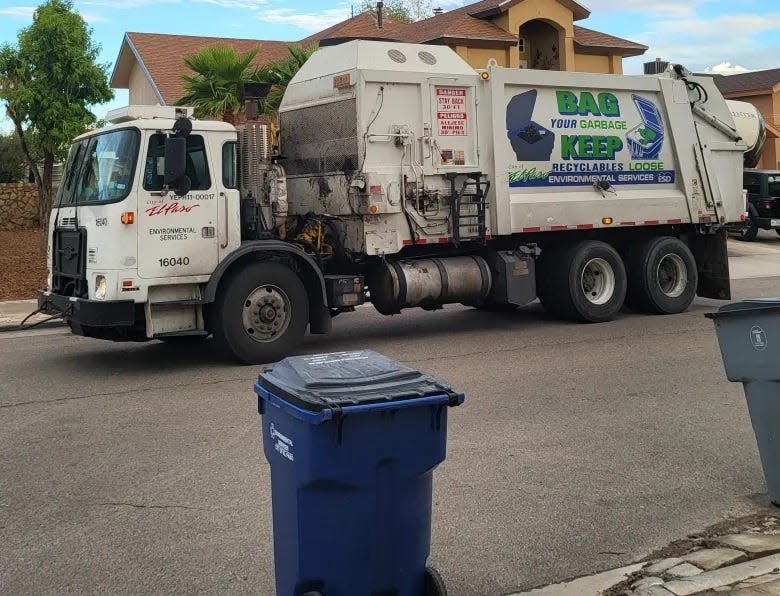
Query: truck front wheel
662, 276
585, 282
261, 314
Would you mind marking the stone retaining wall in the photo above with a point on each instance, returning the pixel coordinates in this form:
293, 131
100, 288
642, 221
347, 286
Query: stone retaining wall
18, 206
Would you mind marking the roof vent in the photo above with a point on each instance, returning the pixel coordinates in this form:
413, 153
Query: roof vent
427, 57
437, 11
396, 56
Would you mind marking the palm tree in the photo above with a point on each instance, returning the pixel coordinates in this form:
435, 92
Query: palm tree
279, 74
215, 88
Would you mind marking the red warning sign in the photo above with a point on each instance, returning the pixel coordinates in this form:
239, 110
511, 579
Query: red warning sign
451, 111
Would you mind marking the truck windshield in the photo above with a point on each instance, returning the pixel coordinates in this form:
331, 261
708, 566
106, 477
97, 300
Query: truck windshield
100, 168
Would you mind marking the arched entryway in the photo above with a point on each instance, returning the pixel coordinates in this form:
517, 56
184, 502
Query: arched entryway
540, 45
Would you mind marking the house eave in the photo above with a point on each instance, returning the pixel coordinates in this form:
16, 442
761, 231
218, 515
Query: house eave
594, 50
127, 42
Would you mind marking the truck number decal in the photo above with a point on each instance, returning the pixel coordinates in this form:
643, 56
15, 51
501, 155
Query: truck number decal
174, 261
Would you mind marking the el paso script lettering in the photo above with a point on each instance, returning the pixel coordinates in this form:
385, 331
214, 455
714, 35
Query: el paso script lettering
170, 208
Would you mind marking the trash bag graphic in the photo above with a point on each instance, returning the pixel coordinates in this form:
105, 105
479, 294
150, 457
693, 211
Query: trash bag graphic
530, 140
646, 140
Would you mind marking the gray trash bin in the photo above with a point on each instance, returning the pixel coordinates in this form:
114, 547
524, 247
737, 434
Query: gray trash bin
749, 337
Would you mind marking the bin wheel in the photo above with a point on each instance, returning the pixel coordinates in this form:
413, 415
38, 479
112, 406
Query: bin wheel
434, 584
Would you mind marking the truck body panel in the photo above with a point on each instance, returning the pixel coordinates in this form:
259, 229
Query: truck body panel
407, 178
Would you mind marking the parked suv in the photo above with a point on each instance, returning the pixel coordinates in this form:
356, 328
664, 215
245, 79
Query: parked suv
763, 204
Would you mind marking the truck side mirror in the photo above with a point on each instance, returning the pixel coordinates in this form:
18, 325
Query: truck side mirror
175, 159
182, 186
176, 166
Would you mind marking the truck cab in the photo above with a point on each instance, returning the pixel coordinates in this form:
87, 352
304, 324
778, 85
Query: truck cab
119, 237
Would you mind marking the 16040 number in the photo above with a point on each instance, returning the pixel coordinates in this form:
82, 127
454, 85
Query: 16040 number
174, 261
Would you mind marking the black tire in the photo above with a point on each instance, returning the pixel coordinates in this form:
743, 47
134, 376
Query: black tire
286, 305
777, 231
748, 233
434, 584
662, 276
584, 282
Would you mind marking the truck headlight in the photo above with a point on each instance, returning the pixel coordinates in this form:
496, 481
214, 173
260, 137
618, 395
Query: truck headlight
100, 287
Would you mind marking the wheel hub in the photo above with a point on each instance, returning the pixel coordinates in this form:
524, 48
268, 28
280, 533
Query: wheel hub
597, 281
266, 313
672, 275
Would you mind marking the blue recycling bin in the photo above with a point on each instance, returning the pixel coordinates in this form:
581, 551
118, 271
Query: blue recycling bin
352, 439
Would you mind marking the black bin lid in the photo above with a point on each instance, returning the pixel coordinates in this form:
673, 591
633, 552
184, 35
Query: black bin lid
764, 305
343, 379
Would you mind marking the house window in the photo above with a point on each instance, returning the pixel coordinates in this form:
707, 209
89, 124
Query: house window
521, 44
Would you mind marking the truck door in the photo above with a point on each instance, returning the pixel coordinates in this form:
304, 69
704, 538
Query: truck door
177, 235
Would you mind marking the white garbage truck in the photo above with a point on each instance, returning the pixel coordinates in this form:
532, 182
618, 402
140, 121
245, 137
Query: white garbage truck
401, 176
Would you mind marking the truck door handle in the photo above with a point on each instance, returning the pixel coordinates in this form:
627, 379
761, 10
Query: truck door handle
227, 223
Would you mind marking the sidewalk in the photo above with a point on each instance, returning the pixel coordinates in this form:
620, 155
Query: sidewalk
13, 312
743, 561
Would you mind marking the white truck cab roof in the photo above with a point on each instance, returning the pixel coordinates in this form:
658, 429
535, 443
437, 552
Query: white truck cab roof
156, 118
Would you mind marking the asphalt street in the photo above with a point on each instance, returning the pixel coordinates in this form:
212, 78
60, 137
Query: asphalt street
138, 468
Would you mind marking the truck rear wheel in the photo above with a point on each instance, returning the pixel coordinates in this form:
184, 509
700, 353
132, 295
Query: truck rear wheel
261, 314
662, 276
586, 282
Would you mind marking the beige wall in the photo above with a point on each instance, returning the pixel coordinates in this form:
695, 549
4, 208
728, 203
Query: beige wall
599, 64
563, 18
141, 92
478, 57
552, 12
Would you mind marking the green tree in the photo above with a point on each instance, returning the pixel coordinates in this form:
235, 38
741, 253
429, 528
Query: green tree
215, 88
12, 160
407, 11
280, 73
48, 82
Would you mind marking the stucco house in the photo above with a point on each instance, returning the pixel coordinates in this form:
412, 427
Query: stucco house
515, 33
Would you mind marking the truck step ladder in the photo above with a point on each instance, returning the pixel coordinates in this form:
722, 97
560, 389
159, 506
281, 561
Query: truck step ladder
469, 206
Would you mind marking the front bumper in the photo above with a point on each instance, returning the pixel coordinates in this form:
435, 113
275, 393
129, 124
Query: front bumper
88, 313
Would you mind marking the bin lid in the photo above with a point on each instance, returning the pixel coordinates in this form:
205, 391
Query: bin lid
341, 379
649, 113
745, 307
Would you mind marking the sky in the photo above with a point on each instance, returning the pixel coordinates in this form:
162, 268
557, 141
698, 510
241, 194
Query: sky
705, 35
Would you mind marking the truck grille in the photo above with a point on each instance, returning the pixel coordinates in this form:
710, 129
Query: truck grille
320, 139
69, 268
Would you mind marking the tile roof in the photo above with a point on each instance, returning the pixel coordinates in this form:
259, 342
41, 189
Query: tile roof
749, 81
589, 40
362, 26
485, 8
163, 56
455, 24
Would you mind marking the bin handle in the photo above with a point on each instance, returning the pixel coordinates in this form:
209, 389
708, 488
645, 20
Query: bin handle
430, 400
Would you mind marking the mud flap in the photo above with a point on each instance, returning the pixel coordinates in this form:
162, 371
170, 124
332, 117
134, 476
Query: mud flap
712, 261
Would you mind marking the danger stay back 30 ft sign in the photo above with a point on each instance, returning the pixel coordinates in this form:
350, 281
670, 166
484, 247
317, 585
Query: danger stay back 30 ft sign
451, 111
